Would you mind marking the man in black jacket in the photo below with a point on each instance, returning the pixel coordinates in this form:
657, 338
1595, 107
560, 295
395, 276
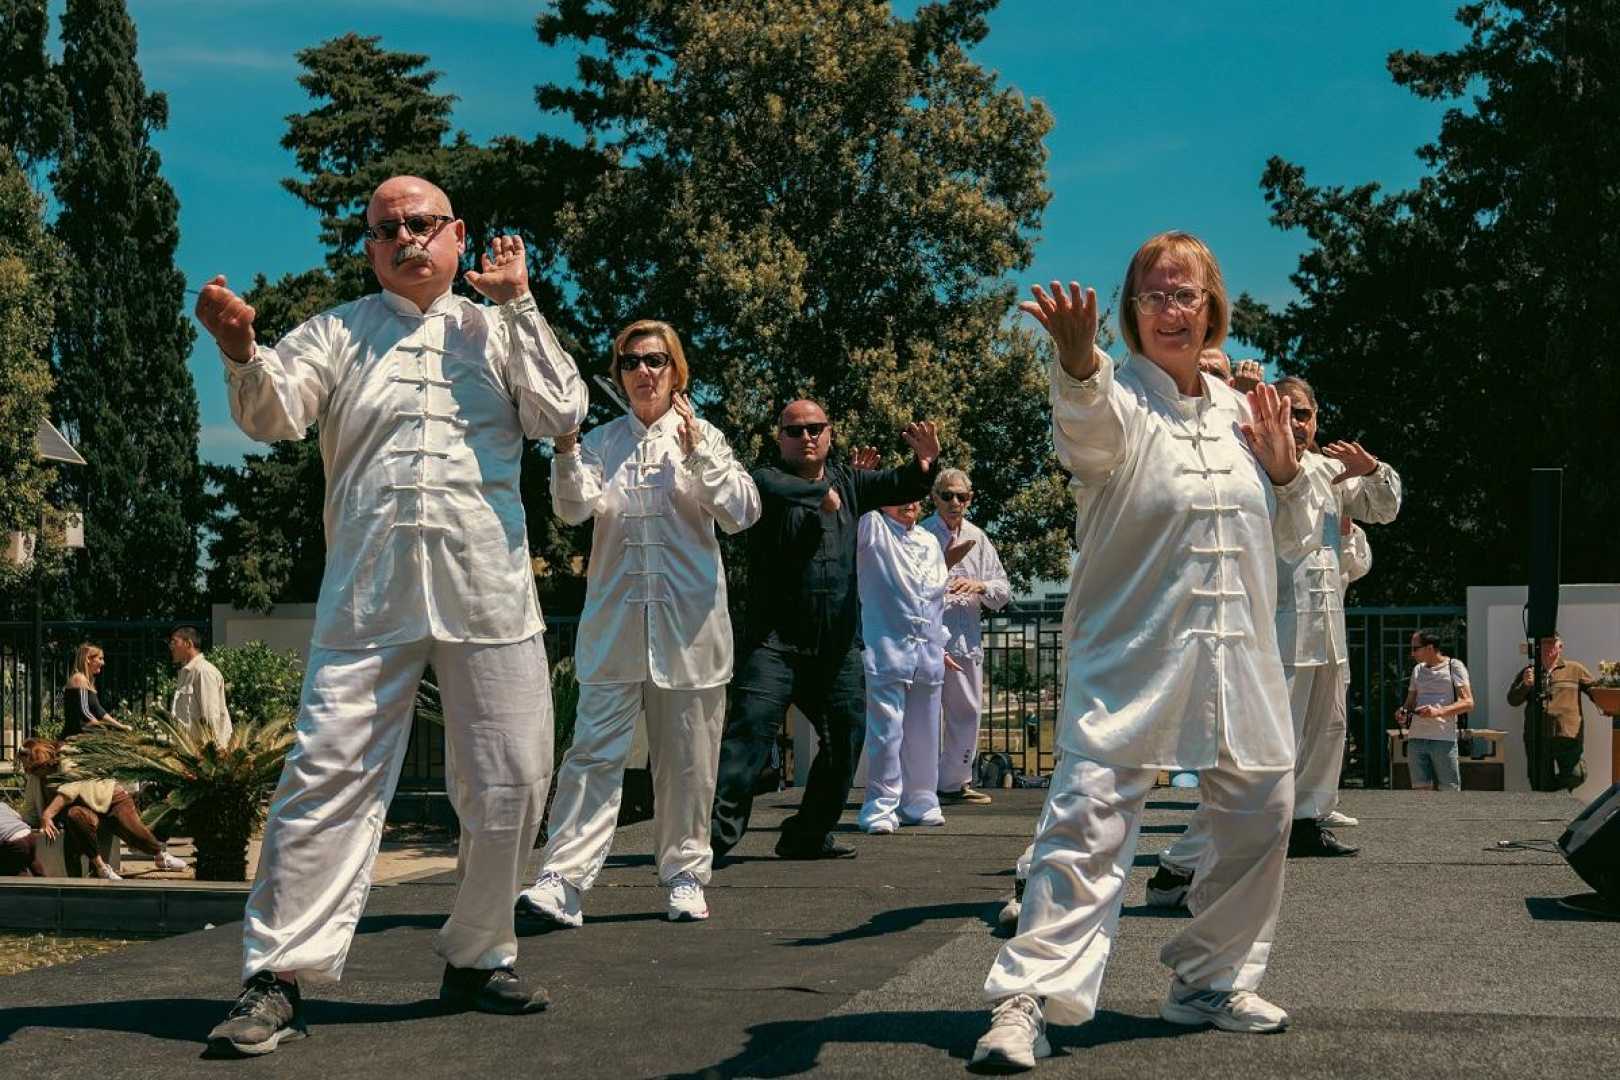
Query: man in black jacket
803, 640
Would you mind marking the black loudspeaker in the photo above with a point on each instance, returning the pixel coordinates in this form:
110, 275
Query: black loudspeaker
1546, 529
1592, 846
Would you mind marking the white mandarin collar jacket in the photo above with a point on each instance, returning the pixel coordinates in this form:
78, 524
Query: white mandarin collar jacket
422, 419
964, 635
900, 573
1310, 590
655, 594
1171, 648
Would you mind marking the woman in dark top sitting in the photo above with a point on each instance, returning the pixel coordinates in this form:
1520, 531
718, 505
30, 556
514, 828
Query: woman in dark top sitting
81, 709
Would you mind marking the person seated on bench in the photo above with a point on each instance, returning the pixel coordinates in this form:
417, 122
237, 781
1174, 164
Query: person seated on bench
82, 804
17, 855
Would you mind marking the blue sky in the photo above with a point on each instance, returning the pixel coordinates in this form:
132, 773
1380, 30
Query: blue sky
1165, 116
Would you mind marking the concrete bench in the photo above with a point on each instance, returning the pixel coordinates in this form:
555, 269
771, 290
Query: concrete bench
53, 853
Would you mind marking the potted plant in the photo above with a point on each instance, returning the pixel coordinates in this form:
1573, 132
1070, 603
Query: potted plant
1606, 694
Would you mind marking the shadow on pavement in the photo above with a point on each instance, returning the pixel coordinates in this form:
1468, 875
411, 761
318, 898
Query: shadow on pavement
790, 1048
189, 1020
900, 920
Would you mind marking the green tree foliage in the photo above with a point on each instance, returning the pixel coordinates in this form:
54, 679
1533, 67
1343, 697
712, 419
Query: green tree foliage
824, 198
25, 375
1462, 328
33, 107
122, 339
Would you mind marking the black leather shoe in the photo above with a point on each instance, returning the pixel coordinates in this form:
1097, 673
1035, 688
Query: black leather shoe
827, 849
497, 990
1310, 841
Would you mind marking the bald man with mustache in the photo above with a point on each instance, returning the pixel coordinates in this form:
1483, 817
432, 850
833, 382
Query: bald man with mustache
802, 645
423, 400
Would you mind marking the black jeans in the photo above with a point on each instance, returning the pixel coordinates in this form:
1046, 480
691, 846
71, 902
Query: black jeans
831, 692
1558, 771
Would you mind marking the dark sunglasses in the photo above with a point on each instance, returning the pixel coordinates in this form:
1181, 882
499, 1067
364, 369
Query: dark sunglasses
956, 496
653, 361
419, 226
1303, 416
793, 431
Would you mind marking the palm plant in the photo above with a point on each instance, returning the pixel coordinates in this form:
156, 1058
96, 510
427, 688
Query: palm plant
216, 793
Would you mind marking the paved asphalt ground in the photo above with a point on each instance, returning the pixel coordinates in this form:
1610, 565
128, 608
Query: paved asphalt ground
1430, 955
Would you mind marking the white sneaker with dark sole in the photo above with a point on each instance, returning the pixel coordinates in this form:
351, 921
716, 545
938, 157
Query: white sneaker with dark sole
1230, 1010
1016, 1039
1338, 819
554, 900
686, 902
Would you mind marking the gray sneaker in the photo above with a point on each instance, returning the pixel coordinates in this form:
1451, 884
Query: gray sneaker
1016, 1039
1229, 1010
267, 1012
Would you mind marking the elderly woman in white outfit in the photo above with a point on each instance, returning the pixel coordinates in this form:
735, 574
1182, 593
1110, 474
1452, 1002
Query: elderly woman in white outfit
900, 571
655, 635
1187, 493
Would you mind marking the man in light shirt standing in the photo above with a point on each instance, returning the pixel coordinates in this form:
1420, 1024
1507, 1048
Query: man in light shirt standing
976, 582
423, 399
199, 689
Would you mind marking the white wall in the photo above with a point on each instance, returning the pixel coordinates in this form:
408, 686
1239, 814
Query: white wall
1588, 619
283, 627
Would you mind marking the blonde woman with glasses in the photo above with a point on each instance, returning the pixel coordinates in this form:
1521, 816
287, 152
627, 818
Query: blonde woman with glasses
655, 635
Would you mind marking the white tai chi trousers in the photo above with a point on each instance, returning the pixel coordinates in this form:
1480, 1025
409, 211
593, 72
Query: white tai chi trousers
959, 742
326, 817
683, 738
1085, 845
1316, 702
902, 754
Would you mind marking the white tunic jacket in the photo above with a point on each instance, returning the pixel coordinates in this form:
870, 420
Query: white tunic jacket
900, 573
1171, 648
655, 594
962, 626
422, 419
1310, 590
199, 699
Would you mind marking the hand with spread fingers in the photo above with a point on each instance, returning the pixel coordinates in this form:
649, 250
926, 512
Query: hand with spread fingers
864, 457
227, 318
1356, 461
505, 273
1270, 433
1071, 320
1248, 375
923, 438
689, 433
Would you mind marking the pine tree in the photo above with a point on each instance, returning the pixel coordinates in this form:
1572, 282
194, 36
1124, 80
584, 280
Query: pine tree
1463, 329
122, 339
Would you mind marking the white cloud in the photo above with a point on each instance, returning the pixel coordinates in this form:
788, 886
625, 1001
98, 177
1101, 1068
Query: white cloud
224, 444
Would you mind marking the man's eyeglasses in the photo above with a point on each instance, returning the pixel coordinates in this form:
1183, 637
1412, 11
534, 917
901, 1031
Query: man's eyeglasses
794, 431
420, 226
1188, 298
963, 497
1303, 416
652, 361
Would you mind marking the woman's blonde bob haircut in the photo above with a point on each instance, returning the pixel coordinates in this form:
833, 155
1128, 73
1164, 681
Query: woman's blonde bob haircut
664, 333
1185, 250
81, 661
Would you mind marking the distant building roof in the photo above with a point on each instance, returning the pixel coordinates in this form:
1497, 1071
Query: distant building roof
53, 445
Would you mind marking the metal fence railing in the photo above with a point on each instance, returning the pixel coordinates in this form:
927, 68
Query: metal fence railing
1022, 692
135, 651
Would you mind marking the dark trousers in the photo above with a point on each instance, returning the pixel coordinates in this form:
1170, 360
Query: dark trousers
1560, 770
831, 692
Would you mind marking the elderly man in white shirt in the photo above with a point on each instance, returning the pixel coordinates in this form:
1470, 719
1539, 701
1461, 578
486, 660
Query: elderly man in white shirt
901, 574
199, 688
655, 635
423, 399
1171, 656
976, 582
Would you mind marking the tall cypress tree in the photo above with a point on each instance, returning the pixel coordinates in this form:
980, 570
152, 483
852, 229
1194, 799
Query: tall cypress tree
122, 337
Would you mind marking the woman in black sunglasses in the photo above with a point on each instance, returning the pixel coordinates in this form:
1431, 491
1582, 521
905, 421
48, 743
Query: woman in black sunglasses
655, 635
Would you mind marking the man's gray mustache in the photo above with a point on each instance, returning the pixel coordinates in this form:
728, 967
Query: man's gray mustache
411, 254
